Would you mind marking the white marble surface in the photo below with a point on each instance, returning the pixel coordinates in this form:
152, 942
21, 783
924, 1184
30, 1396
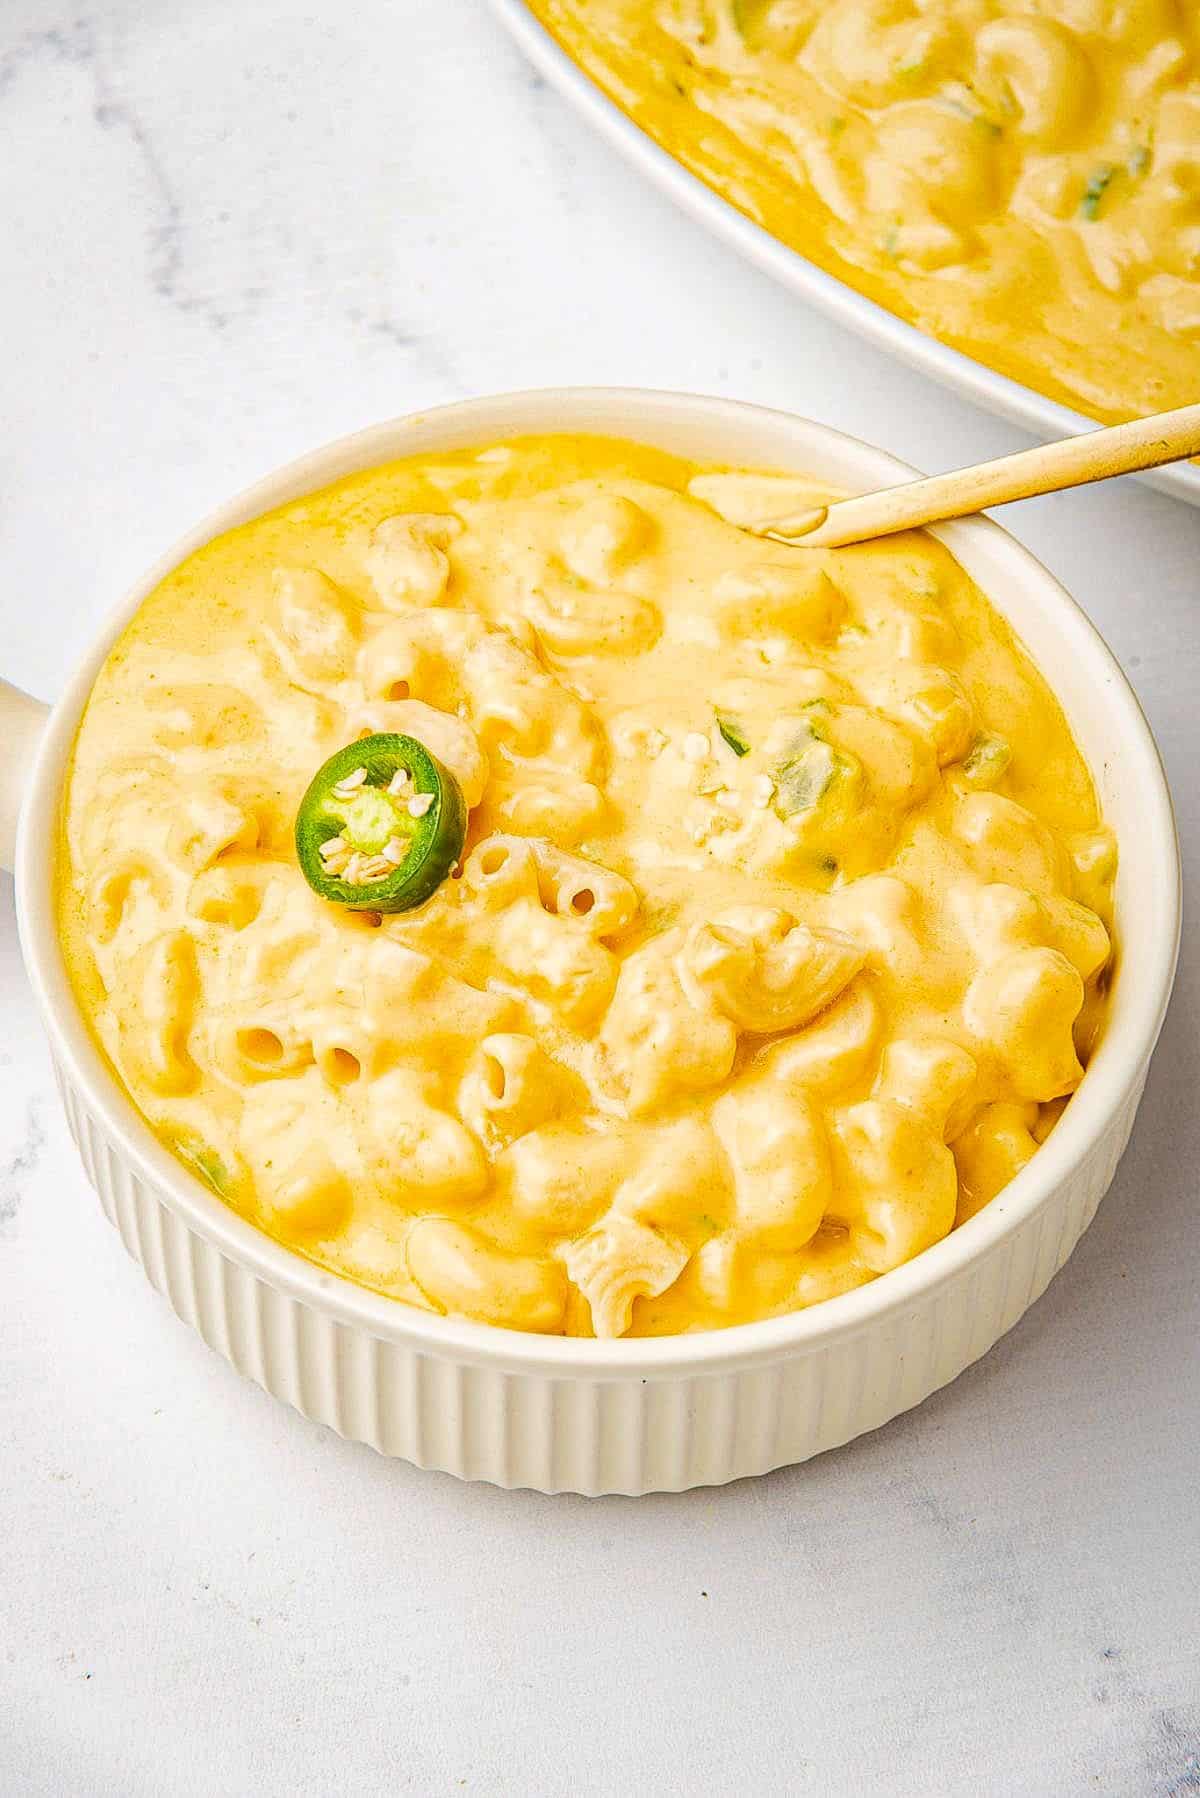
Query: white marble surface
229, 233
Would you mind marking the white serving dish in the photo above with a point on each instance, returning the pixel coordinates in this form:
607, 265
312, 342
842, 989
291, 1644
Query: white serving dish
624, 1416
1044, 418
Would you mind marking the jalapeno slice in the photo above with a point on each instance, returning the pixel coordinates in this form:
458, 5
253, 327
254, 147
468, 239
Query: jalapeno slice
381, 825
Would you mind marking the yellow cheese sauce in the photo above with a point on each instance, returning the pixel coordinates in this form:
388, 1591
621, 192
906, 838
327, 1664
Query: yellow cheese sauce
779, 939
1018, 178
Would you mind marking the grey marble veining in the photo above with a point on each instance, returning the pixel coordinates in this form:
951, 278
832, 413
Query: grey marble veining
19, 1163
229, 233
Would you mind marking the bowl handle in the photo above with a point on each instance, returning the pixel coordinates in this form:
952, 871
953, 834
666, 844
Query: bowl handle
21, 722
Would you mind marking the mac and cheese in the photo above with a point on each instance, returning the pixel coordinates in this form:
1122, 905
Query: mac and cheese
779, 937
1019, 179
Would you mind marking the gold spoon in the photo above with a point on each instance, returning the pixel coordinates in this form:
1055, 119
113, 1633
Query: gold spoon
1118, 449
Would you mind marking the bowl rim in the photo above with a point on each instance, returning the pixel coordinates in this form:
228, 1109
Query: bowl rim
1000, 394
1113, 1074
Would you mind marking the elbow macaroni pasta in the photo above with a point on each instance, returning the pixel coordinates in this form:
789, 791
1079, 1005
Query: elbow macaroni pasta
1020, 180
780, 937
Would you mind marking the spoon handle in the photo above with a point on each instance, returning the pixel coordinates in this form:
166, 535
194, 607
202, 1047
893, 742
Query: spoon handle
1094, 456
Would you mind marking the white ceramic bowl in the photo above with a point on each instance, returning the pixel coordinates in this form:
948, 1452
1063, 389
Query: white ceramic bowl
673, 1412
1043, 417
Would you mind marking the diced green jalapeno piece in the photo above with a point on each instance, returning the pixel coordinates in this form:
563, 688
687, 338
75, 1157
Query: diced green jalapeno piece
804, 778
734, 734
381, 825
809, 765
204, 1161
986, 760
1097, 187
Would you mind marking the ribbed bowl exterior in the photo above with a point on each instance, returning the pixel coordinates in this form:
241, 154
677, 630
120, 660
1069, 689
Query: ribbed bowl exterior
575, 1433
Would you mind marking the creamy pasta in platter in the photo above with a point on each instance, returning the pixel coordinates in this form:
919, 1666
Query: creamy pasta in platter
733, 924
1019, 178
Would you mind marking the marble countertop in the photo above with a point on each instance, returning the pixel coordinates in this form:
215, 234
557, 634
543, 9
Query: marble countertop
233, 232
